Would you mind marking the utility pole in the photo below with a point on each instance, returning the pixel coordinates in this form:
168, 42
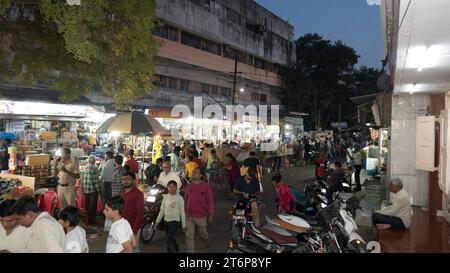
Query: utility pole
315, 109
234, 77
339, 126
234, 91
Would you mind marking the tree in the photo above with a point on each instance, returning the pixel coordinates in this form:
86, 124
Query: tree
99, 45
323, 79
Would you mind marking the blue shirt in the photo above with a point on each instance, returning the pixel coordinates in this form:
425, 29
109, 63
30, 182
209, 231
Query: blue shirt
250, 188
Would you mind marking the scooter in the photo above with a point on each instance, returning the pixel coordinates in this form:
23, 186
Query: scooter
152, 204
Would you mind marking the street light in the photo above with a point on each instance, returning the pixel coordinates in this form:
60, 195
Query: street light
242, 89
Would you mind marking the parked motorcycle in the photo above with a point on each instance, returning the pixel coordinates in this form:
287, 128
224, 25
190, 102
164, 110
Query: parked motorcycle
152, 204
241, 216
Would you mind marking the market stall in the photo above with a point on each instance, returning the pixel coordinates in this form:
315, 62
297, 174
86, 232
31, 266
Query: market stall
136, 131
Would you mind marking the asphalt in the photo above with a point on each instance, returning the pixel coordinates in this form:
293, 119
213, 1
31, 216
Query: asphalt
219, 231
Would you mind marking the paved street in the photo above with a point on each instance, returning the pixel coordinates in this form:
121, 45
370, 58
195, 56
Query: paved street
219, 231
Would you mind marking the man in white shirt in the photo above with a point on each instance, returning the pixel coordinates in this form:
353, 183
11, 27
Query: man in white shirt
398, 214
13, 237
167, 175
47, 235
106, 175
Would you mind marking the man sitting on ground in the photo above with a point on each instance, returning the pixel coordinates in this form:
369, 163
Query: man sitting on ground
398, 214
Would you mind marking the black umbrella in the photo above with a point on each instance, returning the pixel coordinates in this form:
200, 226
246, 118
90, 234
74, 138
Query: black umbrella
133, 124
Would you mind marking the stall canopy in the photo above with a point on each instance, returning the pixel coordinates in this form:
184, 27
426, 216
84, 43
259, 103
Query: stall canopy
133, 124
378, 105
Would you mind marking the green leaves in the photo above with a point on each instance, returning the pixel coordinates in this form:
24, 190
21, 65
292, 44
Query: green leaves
108, 44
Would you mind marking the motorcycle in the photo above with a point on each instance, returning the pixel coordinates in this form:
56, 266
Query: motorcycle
152, 204
241, 216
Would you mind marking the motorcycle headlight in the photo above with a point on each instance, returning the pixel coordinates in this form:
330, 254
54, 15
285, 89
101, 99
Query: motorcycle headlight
154, 191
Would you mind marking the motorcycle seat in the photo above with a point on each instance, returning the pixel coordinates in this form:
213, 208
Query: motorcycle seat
288, 226
278, 238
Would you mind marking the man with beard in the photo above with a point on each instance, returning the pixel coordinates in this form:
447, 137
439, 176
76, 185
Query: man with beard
134, 204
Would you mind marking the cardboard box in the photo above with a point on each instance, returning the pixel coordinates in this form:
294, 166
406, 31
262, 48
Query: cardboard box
47, 136
69, 135
24, 148
37, 160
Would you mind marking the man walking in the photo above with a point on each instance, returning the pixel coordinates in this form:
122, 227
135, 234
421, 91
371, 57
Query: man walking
69, 172
133, 204
357, 164
134, 166
90, 187
106, 176
199, 207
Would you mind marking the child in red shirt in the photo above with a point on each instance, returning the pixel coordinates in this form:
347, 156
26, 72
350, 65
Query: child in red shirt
285, 198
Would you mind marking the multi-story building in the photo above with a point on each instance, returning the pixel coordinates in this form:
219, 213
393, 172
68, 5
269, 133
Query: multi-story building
200, 42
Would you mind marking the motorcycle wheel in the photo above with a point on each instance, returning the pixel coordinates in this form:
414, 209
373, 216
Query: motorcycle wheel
147, 232
235, 232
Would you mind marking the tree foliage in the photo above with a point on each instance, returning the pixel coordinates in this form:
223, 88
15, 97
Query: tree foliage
325, 73
100, 45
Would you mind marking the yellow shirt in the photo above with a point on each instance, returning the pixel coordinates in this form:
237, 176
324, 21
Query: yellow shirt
157, 151
190, 167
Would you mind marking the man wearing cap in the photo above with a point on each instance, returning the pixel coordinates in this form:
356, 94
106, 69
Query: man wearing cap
398, 214
68, 174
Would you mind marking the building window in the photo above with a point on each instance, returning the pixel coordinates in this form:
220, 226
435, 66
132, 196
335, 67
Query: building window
191, 40
214, 90
211, 47
173, 83
263, 98
200, 43
166, 32
225, 91
160, 80
205, 88
184, 85
260, 63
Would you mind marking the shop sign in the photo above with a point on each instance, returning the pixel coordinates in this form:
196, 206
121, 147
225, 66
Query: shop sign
41, 109
342, 125
18, 126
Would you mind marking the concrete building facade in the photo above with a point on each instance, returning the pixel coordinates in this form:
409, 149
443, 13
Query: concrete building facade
199, 41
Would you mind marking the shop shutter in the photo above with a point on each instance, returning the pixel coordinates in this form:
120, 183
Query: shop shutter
425, 141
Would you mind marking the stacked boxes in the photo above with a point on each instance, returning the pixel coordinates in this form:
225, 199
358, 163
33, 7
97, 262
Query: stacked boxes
40, 173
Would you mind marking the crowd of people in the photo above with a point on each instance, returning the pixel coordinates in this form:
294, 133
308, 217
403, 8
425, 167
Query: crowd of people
53, 222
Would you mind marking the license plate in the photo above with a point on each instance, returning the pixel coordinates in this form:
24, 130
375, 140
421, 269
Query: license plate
151, 199
240, 212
